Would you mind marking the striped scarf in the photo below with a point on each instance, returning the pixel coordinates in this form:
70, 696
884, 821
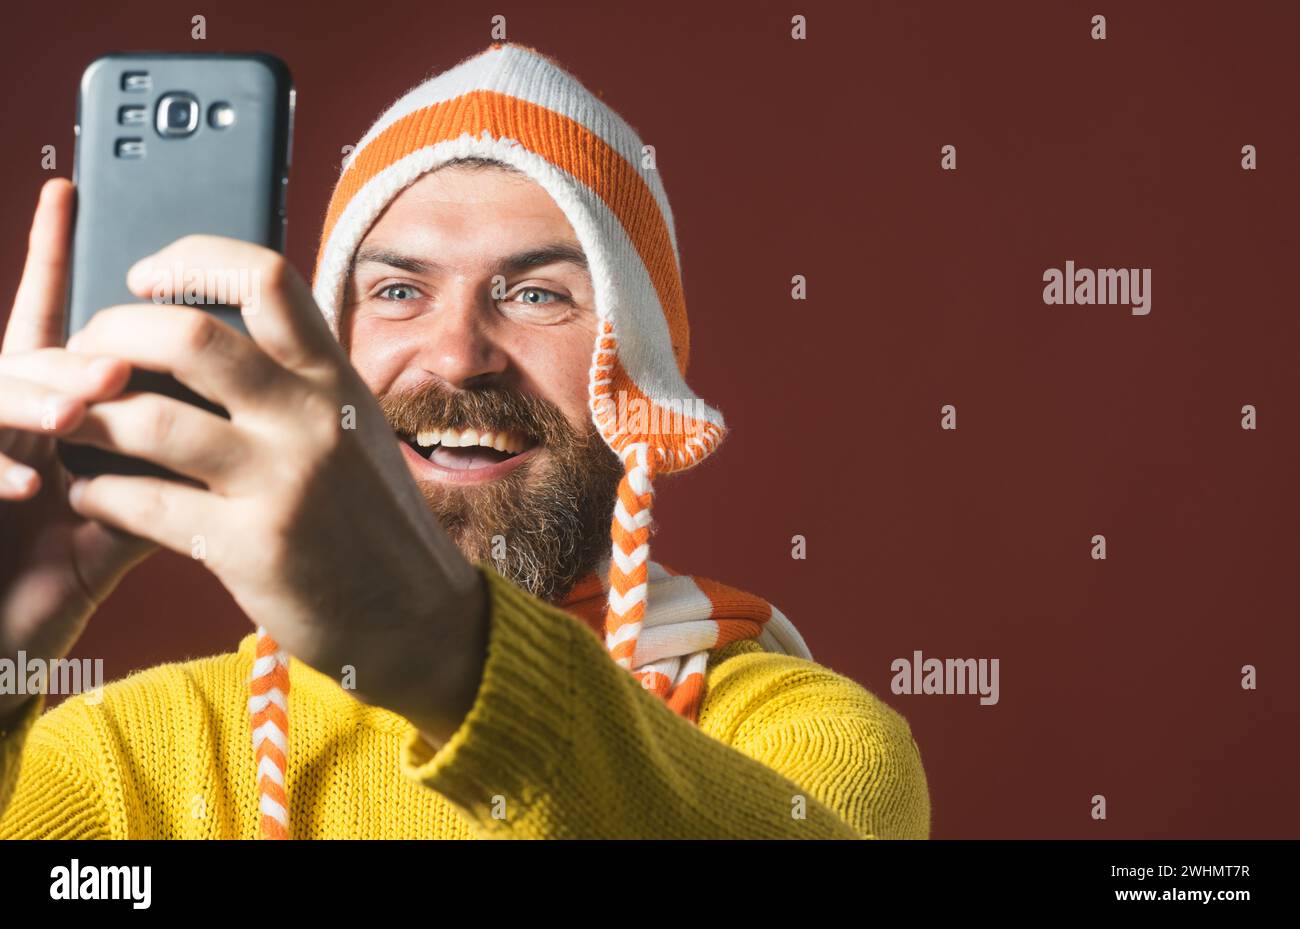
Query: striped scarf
684, 620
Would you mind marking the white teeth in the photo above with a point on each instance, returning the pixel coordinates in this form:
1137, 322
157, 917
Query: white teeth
501, 441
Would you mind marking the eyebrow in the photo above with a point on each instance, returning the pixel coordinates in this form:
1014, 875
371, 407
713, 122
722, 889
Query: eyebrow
553, 253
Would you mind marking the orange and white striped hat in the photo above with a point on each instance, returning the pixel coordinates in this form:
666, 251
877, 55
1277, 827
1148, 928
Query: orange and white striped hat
516, 105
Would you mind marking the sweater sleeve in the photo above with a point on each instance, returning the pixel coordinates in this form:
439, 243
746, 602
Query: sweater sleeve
564, 743
46, 790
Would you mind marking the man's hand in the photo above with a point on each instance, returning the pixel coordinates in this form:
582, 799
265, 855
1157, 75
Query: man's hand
55, 566
308, 516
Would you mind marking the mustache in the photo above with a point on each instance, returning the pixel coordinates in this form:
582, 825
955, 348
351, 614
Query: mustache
488, 408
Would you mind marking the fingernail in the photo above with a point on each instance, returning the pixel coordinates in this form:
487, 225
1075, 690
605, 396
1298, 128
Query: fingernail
75, 490
101, 367
139, 272
19, 477
58, 409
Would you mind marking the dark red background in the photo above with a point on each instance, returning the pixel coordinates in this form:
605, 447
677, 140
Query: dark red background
821, 158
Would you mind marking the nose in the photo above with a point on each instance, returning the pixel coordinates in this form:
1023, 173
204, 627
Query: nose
461, 343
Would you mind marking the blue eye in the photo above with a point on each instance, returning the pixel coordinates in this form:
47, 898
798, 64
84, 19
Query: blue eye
387, 292
537, 290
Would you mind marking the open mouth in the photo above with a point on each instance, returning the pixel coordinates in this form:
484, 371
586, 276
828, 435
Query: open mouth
467, 449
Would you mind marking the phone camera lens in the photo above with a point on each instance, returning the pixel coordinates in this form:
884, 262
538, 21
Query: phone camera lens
178, 115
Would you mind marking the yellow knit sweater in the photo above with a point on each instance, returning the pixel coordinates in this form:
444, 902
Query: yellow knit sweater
561, 743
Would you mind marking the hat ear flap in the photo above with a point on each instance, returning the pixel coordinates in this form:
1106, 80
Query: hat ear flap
679, 433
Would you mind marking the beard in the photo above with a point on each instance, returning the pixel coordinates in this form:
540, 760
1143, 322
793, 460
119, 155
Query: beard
543, 525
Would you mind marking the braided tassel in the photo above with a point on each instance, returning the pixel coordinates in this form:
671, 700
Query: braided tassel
268, 709
629, 570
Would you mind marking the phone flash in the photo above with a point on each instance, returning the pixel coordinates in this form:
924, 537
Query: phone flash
221, 116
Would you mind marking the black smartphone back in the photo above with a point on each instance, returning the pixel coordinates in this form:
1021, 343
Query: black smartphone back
171, 144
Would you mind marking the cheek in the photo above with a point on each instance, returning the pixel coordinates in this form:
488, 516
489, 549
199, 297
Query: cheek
559, 368
378, 352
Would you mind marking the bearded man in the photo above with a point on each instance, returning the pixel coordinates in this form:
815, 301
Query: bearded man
433, 497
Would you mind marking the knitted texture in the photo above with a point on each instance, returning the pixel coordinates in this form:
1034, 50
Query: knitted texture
518, 106
268, 713
560, 743
682, 619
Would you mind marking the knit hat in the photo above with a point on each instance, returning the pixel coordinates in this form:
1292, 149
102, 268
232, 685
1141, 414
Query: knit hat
516, 105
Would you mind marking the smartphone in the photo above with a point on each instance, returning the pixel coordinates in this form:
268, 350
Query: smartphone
170, 144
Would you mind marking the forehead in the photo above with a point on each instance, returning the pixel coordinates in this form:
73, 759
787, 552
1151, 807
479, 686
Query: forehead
471, 210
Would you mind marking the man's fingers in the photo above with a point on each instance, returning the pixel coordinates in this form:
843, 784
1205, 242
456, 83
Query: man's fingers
275, 301
35, 408
17, 481
83, 376
203, 353
37, 317
176, 435
171, 514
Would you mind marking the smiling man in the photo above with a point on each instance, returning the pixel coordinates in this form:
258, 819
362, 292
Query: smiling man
470, 310
433, 502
